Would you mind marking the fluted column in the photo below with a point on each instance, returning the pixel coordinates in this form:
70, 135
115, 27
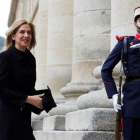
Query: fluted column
59, 51
91, 41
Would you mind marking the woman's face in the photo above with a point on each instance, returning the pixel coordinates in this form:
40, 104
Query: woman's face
22, 37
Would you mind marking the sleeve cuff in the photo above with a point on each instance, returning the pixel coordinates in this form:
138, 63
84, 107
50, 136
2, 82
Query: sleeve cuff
111, 90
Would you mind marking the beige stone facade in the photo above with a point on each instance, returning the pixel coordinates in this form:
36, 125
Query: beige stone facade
74, 38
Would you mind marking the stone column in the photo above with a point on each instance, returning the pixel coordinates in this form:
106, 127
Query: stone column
91, 41
39, 17
41, 48
26, 11
121, 24
33, 17
59, 50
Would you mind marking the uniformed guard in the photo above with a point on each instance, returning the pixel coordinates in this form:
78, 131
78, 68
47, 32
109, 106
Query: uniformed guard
131, 88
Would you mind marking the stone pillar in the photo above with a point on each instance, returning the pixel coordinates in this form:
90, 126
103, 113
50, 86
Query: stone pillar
34, 16
59, 50
19, 10
41, 49
91, 41
26, 11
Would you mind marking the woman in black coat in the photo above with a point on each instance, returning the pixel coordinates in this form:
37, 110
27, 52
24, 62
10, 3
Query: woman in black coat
17, 82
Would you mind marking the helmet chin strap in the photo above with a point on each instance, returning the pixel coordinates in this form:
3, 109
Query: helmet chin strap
138, 27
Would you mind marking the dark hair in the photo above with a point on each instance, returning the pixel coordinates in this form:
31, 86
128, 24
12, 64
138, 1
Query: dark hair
136, 18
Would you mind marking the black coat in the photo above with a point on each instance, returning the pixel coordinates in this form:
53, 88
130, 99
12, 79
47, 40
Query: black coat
17, 81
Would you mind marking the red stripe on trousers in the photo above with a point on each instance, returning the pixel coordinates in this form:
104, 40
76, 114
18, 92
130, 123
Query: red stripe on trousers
122, 128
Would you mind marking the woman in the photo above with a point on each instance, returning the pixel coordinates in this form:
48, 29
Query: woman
17, 82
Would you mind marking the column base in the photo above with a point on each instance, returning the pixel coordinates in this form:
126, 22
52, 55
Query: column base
94, 99
75, 89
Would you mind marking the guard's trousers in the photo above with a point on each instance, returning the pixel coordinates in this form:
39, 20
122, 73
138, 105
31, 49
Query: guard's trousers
131, 128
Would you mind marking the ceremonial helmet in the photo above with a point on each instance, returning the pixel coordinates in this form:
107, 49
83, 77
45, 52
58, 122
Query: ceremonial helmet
136, 13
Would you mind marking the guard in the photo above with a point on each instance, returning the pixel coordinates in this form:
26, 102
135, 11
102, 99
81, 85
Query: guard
131, 89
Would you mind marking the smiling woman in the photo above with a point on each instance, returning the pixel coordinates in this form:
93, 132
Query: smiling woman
22, 37
17, 83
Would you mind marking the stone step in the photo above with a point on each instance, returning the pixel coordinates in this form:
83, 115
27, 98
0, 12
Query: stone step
73, 135
38, 134
41, 116
63, 109
56, 122
37, 124
92, 119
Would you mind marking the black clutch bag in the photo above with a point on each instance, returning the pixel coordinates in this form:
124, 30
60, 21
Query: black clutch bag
47, 101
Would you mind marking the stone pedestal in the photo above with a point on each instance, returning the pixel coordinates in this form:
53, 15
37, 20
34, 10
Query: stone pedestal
91, 119
91, 41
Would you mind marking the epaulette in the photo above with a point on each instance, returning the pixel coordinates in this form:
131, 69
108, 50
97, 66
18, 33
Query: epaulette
121, 38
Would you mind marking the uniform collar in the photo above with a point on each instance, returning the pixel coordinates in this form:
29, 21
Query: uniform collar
19, 55
137, 36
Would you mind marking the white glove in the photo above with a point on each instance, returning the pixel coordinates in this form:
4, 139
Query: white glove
115, 103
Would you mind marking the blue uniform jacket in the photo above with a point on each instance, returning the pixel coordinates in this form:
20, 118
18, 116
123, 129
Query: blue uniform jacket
130, 89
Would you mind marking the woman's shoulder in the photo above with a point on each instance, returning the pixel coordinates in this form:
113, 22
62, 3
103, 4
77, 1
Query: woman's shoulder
5, 53
5, 57
8, 55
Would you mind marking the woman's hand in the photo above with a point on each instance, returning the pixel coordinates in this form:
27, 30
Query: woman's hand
35, 100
